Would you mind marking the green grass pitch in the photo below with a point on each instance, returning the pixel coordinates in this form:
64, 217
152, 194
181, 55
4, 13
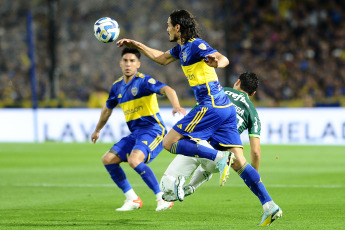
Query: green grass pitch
65, 186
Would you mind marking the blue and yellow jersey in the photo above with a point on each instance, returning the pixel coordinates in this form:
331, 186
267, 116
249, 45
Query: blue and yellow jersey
201, 77
138, 100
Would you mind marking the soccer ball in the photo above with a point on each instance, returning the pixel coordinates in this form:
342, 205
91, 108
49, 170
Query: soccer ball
106, 30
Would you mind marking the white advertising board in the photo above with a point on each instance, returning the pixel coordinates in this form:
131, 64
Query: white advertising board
279, 126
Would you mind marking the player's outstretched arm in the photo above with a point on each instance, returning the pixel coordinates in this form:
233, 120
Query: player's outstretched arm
172, 96
255, 152
105, 114
216, 60
155, 55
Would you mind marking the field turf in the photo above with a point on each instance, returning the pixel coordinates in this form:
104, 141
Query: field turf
65, 186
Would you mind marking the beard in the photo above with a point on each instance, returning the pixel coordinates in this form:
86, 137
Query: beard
174, 39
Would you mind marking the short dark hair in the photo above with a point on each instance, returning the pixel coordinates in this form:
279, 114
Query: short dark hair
189, 26
249, 82
134, 51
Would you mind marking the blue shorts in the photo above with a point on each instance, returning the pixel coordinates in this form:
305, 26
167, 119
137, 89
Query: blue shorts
150, 142
218, 125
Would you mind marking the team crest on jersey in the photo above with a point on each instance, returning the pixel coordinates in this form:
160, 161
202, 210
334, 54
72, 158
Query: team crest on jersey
202, 46
184, 56
152, 81
134, 91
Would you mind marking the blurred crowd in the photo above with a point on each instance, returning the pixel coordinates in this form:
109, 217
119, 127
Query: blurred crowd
296, 47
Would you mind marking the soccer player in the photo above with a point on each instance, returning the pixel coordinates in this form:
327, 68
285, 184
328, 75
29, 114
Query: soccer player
247, 118
136, 94
215, 115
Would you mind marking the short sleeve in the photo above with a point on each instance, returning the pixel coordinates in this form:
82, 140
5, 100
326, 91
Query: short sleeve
202, 48
175, 52
153, 85
112, 99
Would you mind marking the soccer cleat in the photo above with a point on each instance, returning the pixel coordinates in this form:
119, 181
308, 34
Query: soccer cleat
188, 190
179, 187
224, 166
163, 205
271, 215
130, 205
169, 197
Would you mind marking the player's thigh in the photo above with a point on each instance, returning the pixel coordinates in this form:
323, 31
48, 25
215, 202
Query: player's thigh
150, 143
202, 122
182, 166
111, 157
124, 147
227, 135
171, 138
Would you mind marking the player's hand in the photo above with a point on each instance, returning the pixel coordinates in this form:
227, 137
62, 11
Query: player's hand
94, 137
179, 110
211, 60
126, 42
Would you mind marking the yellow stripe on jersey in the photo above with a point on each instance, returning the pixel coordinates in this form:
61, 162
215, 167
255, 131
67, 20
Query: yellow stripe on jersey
231, 146
199, 73
158, 139
120, 79
140, 107
190, 127
148, 158
156, 142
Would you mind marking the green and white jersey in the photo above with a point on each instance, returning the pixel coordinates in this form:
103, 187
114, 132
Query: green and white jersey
247, 116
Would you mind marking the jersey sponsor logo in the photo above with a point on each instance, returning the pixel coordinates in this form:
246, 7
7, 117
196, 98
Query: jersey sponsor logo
152, 81
184, 56
190, 77
133, 110
134, 91
239, 110
237, 97
202, 46
120, 96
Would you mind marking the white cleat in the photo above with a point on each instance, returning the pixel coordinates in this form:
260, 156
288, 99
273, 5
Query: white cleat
224, 166
130, 205
163, 205
180, 180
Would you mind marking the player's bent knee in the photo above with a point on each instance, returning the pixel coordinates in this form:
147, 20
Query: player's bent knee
110, 158
134, 162
166, 145
167, 183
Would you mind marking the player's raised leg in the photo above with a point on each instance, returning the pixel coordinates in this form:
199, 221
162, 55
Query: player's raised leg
171, 184
177, 144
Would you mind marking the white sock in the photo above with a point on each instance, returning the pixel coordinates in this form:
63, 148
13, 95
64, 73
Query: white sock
131, 195
219, 156
159, 195
268, 205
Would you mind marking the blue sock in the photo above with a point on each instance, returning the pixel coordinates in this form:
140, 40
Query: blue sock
190, 148
148, 176
252, 179
118, 176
